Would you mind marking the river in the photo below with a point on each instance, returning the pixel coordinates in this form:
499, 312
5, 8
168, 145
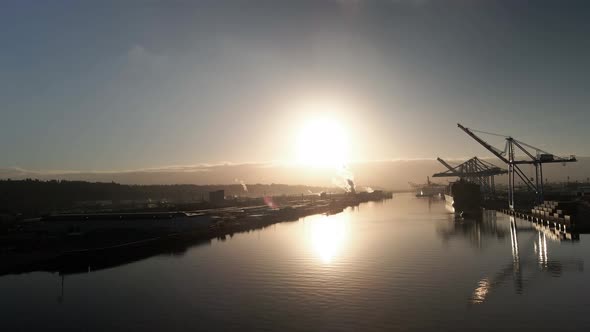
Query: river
401, 264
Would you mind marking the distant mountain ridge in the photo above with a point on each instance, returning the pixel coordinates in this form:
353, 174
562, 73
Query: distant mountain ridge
388, 174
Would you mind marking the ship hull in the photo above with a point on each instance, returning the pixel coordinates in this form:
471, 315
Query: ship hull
464, 198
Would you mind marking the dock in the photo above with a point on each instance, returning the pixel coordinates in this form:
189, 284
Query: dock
550, 215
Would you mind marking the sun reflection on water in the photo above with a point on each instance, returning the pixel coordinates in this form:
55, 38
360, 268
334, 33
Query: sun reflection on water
328, 236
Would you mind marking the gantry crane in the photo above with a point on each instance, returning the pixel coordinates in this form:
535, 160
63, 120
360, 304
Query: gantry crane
508, 155
475, 171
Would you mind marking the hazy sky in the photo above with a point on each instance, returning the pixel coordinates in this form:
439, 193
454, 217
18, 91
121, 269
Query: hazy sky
132, 84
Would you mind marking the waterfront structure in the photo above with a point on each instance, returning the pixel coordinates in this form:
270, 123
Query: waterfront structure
217, 196
81, 224
475, 171
534, 156
428, 189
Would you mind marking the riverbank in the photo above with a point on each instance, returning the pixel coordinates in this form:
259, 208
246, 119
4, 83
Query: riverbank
77, 250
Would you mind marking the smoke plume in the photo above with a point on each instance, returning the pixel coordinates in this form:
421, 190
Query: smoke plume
344, 179
242, 183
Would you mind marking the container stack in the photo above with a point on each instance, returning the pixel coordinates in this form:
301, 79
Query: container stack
559, 212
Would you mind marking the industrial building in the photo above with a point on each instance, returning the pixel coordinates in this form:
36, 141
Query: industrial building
217, 196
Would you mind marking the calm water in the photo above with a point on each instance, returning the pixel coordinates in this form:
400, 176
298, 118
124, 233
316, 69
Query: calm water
403, 264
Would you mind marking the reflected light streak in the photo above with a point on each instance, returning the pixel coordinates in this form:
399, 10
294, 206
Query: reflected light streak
542, 251
328, 236
514, 240
481, 292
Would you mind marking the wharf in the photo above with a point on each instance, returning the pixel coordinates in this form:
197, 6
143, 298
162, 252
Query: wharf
561, 229
563, 216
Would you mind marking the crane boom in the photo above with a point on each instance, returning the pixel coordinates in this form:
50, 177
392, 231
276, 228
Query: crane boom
536, 158
444, 163
484, 143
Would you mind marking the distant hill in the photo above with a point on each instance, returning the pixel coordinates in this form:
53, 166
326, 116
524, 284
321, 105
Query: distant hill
387, 174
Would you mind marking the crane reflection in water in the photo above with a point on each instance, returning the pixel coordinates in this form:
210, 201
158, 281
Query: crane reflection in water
528, 247
516, 268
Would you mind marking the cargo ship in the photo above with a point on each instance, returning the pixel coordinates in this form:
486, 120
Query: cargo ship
464, 198
429, 189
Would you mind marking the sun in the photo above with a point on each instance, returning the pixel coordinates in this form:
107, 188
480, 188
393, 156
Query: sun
323, 143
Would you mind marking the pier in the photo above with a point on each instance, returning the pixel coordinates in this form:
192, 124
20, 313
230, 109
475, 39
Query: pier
562, 228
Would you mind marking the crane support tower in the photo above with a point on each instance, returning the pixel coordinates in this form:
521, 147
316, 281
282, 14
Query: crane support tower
534, 156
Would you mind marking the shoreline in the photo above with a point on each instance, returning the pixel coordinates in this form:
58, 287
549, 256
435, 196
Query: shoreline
61, 258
